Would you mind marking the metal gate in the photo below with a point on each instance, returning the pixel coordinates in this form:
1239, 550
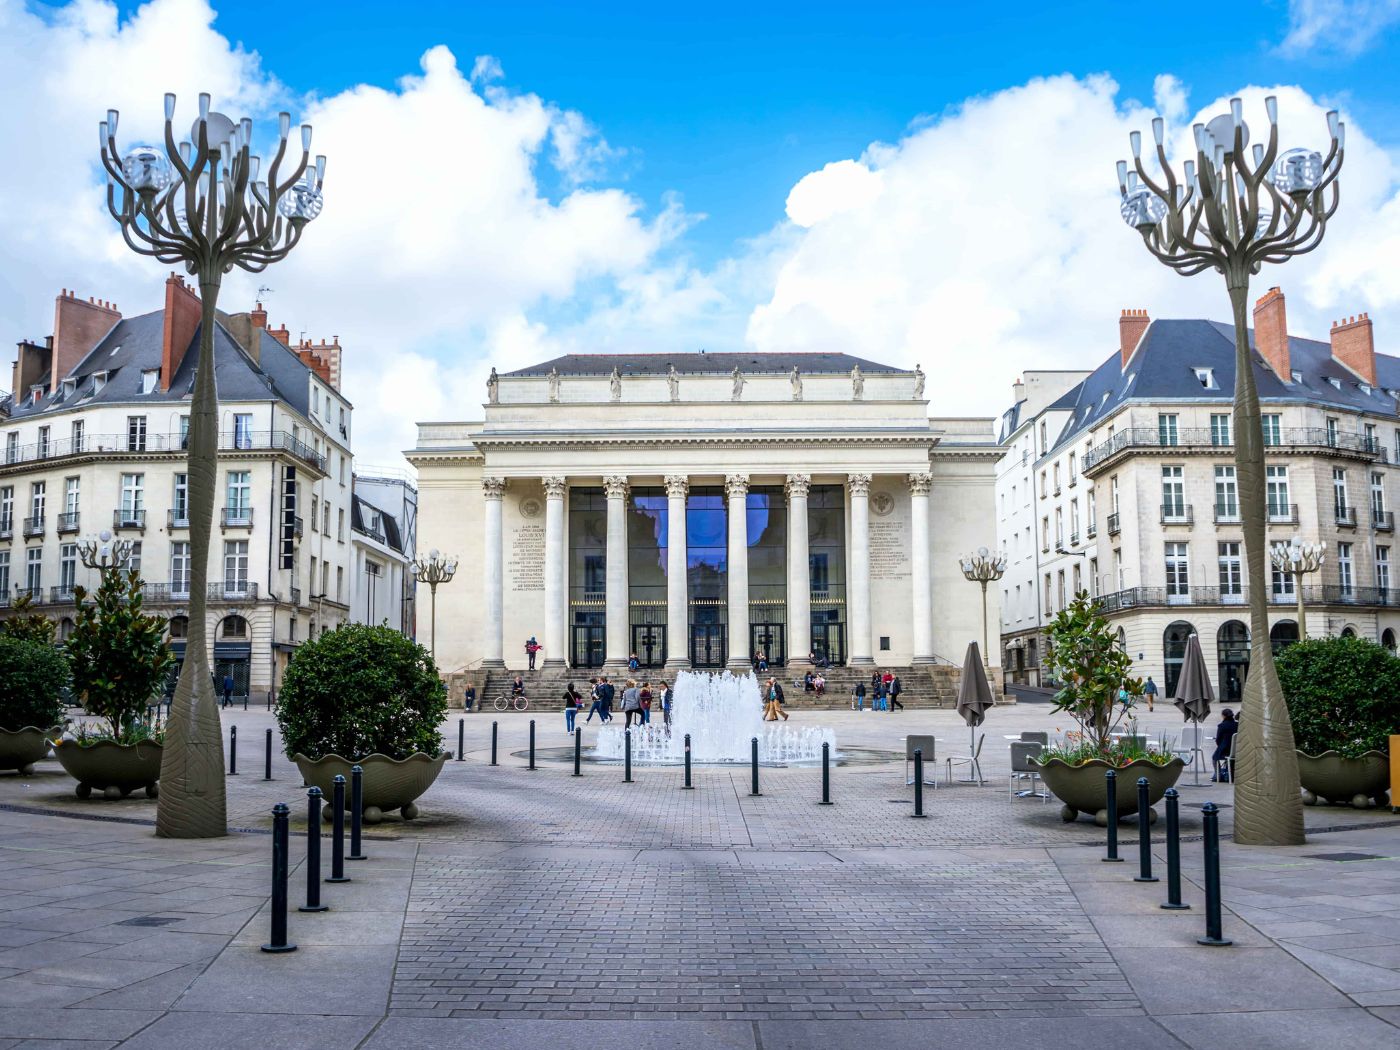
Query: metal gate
707, 648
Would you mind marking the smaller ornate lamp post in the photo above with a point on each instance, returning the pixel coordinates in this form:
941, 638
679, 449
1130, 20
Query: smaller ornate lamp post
104, 554
984, 567
1297, 559
434, 571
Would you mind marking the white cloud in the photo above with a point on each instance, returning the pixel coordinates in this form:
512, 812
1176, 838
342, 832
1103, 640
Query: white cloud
840, 187
1344, 27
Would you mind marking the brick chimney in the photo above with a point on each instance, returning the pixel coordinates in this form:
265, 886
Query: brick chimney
1271, 333
78, 326
1131, 325
32, 363
281, 335
1354, 345
327, 358
182, 314
246, 329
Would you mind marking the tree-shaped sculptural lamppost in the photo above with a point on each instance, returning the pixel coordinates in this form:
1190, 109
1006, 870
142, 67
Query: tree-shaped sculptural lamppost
1298, 559
1233, 210
983, 567
201, 204
434, 571
104, 554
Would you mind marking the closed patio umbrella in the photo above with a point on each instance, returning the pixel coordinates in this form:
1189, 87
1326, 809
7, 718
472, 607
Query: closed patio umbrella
1193, 693
974, 694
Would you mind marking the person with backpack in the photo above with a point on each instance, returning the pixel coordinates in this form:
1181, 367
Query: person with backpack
532, 647
631, 704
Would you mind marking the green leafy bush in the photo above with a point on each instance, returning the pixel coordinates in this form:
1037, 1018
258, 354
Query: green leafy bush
32, 675
359, 690
1083, 655
25, 623
1343, 695
1076, 750
118, 654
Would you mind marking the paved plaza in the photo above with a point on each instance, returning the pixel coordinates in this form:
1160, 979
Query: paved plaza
535, 908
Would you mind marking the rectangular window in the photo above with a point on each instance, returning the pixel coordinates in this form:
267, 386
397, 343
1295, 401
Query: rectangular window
1044, 491
1332, 431
67, 567
1231, 572
1059, 528
136, 433
1276, 493
1372, 445
1057, 477
1220, 428
1074, 518
1060, 588
184, 432
1166, 429
1045, 532
78, 435
180, 567
315, 513
1273, 432
149, 378
1378, 494
1113, 494
34, 570
1339, 493
243, 430
133, 497
340, 525
180, 500
1078, 584
1178, 572
342, 470
5, 573
37, 498
1173, 494
1383, 571
7, 516
71, 496
236, 566
1094, 576
1227, 506
326, 519
1344, 576
1118, 567
1073, 474
133, 561
240, 496
339, 583
43, 442
12, 447
1282, 585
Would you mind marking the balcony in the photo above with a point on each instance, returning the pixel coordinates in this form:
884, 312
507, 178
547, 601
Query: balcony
1073, 480
1074, 539
232, 591
1056, 492
167, 593
7, 528
1282, 513
1346, 517
129, 518
1227, 515
177, 521
61, 595
68, 522
1113, 524
297, 527
1177, 514
34, 594
236, 517
1091, 530
1314, 594
34, 527
1203, 441
1383, 520
117, 445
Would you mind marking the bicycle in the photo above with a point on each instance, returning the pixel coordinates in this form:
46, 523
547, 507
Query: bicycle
520, 703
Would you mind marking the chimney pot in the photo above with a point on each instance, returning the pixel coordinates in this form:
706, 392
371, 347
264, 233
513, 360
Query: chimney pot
1131, 325
1354, 346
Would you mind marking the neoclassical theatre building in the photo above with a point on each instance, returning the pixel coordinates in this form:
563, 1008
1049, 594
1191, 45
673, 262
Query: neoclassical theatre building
694, 509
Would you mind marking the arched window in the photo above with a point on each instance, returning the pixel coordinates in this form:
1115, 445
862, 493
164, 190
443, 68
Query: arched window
1173, 652
234, 627
1232, 649
1388, 640
1122, 640
1348, 632
179, 627
65, 628
1282, 635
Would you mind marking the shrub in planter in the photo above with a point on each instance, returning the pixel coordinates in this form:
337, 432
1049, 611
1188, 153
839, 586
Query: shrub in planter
366, 695
32, 676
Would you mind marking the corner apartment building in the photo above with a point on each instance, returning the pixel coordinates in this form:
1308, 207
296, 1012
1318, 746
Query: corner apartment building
383, 532
93, 439
1151, 435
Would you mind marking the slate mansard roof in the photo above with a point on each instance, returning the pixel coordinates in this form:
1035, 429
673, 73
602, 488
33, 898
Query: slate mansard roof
701, 364
1163, 366
362, 514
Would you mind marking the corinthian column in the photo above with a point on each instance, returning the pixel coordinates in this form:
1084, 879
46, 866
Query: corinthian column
492, 576
736, 487
858, 588
616, 598
919, 485
799, 576
677, 592
554, 589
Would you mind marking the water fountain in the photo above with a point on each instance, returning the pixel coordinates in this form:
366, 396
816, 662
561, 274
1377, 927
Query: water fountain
722, 713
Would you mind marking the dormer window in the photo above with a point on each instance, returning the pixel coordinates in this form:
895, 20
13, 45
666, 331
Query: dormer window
1206, 377
1337, 383
36, 394
1365, 388
1104, 400
149, 378
67, 388
114, 350
1297, 376
99, 380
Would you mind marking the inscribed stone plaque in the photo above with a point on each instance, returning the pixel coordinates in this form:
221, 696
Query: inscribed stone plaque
889, 548
527, 557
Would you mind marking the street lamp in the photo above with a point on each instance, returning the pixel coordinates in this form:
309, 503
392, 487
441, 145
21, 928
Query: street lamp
202, 205
434, 571
1297, 559
104, 554
1232, 212
983, 567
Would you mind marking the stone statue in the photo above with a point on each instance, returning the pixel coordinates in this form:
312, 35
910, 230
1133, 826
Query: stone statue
673, 383
615, 384
857, 384
918, 383
493, 387
553, 384
795, 378
738, 378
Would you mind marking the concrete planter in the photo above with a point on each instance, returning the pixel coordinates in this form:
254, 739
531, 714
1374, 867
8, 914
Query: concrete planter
21, 748
1335, 778
114, 769
1082, 788
389, 783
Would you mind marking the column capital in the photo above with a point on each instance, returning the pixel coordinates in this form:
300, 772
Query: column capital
798, 485
677, 485
493, 488
859, 484
554, 487
920, 484
736, 485
615, 486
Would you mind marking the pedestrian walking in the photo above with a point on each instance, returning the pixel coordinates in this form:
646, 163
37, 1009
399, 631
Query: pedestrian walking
631, 704
228, 689
571, 705
896, 687
1149, 690
666, 704
606, 692
595, 705
773, 701
645, 695
858, 697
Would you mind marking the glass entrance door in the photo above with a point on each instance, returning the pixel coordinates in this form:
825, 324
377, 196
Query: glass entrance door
587, 649
770, 639
707, 648
649, 643
829, 641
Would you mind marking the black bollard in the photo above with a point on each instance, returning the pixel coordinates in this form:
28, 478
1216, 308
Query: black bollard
1144, 835
753, 764
1210, 819
233, 751
267, 757
1111, 788
1174, 902
687, 786
313, 852
918, 782
461, 736
826, 775
578, 752
531, 766
278, 943
245, 701
495, 732
338, 832
357, 805
627, 756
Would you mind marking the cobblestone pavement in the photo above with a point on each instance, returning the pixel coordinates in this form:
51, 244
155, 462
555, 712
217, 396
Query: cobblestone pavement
535, 908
